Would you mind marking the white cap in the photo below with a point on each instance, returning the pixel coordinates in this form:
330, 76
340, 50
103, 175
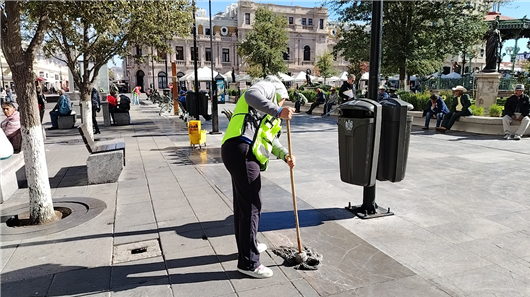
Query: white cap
280, 87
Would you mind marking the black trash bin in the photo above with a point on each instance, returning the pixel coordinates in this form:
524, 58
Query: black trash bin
167, 92
191, 104
359, 133
395, 138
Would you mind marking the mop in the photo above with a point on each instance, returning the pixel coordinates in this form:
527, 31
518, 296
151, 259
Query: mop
302, 258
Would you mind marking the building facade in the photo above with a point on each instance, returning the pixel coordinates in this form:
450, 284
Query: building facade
310, 35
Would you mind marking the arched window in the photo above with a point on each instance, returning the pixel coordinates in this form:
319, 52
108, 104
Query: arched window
307, 53
162, 80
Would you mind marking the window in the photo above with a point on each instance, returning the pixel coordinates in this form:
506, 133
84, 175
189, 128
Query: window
286, 54
247, 18
482, 53
291, 21
307, 53
46, 74
138, 50
321, 24
226, 55
57, 77
208, 54
162, 80
180, 53
310, 22
207, 31
194, 54
303, 21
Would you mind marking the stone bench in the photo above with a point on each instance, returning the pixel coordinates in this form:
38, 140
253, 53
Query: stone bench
12, 176
473, 124
67, 121
106, 160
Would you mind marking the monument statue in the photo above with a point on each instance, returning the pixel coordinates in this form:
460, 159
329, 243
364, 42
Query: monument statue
233, 75
493, 44
308, 78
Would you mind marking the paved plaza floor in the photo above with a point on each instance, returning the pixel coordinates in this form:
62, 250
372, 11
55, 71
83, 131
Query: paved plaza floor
461, 223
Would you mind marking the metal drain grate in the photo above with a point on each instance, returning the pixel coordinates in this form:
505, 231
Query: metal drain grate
136, 251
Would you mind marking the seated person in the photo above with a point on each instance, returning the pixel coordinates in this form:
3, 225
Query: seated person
516, 108
182, 99
6, 148
382, 94
11, 125
436, 106
461, 106
333, 98
62, 108
300, 100
124, 104
321, 99
393, 94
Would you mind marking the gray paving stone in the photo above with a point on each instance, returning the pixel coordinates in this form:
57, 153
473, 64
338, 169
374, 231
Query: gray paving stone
283, 289
135, 233
158, 287
91, 280
138, 272
32, 286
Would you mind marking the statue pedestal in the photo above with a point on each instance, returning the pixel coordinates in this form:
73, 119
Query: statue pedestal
487, 89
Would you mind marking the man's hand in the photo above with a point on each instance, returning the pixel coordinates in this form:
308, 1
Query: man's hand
286, 113
520, 118
291, 160
513, 117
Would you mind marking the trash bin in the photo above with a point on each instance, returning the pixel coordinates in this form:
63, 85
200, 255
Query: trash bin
191, 105
167, 92
359, 133
395, 138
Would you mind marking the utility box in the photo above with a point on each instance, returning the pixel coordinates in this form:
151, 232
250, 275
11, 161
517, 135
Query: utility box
359, 134
395, 139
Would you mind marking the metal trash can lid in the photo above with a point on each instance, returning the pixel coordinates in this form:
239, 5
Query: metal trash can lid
361, 104
394, 102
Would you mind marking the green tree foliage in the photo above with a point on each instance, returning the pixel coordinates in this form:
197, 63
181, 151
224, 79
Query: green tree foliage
95, 31
264, 45
417, 35
325, 65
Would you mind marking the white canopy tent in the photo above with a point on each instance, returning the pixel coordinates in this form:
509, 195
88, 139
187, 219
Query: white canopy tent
204, 74
451, 75
344, 76
284, 77
301, 77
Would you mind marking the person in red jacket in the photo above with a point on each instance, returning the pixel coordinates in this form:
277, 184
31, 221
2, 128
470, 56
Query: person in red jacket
113, 104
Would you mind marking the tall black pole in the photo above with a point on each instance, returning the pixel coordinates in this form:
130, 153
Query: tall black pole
215, 116
195, 55
153, 67
373, 84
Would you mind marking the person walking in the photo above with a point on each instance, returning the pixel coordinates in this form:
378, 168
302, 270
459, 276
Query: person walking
96, 107
252, 134
516, 108
461, 107
41, 100
136, 95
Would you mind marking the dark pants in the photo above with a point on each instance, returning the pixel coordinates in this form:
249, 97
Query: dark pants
327, 107
313, 106
297, 106
450, 118
95, 125
54, 116
246, 186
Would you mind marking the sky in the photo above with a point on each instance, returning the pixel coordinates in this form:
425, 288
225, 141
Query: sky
515, 8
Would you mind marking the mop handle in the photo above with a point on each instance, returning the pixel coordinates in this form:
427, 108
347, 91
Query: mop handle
292, 189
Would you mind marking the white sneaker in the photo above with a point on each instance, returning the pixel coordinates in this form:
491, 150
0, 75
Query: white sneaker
262, 247
260, 272
516, 137
507, 136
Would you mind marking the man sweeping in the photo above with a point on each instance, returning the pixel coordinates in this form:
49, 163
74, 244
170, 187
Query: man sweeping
251, 136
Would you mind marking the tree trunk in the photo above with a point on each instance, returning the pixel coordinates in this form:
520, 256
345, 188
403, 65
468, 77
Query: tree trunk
86, 106
403, 85
40, 200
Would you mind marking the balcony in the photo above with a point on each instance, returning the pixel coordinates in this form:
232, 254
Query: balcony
307, 27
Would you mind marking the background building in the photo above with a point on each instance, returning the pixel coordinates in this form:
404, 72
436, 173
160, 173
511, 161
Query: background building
310, 35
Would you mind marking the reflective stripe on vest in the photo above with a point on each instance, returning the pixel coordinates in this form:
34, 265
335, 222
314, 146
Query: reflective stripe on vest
269, 127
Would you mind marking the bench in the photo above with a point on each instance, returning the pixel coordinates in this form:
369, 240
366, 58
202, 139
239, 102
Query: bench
67, 121
13, 175
473, 124
106, 159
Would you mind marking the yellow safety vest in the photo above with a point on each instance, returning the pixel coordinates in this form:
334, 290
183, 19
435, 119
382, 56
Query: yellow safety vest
268, 128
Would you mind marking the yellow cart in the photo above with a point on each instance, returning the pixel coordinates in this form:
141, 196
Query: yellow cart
197, 136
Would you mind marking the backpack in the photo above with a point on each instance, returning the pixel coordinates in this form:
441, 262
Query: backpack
125, 103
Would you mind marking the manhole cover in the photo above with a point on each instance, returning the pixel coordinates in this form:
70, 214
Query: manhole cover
136, 251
